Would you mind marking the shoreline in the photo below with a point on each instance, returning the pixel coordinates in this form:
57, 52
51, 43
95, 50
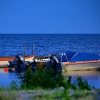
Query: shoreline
50, 94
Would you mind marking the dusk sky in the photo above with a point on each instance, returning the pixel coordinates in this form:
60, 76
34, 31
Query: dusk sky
50, 16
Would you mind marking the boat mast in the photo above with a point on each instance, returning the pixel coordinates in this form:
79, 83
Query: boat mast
32, 49
24, 49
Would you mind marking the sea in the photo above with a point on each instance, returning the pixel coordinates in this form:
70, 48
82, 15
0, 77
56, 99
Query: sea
44, 44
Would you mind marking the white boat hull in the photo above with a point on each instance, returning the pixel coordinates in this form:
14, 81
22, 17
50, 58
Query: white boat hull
85, 66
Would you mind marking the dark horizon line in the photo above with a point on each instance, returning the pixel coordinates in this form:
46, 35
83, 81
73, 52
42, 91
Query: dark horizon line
46, 33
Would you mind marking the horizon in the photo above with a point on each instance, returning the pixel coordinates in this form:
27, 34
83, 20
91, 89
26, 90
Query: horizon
49, 33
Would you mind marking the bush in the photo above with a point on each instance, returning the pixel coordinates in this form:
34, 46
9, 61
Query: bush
82, 84
44, 79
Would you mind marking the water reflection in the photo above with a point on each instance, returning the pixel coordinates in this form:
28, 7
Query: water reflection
93, 77
7, 77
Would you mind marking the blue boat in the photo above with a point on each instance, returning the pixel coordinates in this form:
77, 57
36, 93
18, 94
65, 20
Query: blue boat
80, 61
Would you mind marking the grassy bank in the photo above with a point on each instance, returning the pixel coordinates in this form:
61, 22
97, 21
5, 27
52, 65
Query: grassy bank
44, 84
50, 94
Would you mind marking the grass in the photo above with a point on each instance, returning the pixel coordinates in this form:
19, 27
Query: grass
67, 95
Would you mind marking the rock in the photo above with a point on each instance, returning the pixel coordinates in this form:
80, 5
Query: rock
23, 95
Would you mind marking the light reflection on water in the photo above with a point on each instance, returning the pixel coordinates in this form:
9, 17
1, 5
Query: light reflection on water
93, 77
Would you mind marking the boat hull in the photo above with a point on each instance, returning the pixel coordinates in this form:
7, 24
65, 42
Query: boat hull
4, 60
81, 66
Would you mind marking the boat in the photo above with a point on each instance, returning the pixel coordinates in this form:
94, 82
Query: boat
4, 60
41, 58
21, 65
74, 61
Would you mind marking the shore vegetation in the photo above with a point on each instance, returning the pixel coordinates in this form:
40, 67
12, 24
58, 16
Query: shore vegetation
44, 84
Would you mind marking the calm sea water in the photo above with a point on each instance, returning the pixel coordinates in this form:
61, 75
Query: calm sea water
52, 43
93, 77
45, 44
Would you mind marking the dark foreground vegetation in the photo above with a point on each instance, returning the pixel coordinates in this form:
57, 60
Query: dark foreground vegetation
44, 84
46, 79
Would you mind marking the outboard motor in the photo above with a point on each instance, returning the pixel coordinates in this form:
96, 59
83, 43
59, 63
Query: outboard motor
18, 63
21, 65
18, 59
54, 64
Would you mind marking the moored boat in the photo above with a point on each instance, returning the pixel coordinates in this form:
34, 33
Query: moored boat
4, 60
21, 65
80, 61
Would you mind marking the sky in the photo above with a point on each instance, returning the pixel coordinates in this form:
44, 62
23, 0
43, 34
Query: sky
50, 16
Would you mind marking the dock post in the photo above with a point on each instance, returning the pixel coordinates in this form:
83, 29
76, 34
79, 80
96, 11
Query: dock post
32, 49
24, 49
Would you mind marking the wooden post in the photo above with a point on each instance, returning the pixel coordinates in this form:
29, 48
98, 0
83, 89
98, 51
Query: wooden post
24, 49
32, 49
